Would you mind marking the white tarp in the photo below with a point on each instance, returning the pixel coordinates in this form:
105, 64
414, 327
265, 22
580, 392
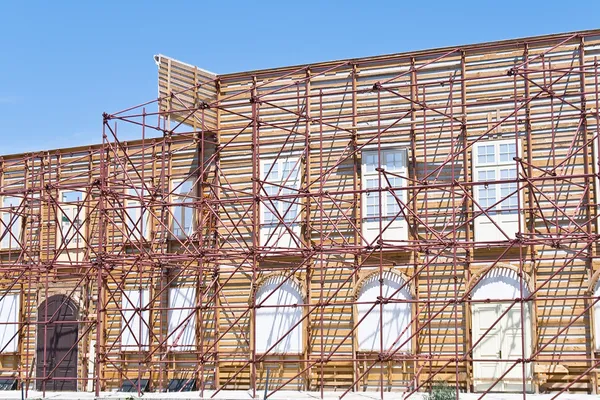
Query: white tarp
9, 319
135, 323
597, 317
272, 323
10, 228
396, 316
182, 318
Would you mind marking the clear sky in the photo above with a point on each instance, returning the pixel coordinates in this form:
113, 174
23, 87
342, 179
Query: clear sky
63, 63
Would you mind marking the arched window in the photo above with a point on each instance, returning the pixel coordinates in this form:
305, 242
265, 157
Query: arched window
395, 322
500, 283
500, 328
278, 316
597, 317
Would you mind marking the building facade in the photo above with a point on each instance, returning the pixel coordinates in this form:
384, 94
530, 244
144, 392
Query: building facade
376, 224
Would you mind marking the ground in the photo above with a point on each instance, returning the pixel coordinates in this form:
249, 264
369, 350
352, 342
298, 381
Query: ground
242, 395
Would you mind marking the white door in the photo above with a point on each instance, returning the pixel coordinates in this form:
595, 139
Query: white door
512, 347
502, 342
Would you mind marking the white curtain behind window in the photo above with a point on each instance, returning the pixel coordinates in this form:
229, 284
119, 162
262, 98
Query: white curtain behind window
272, 323
182, 318
135, 322
396, 317
9, 319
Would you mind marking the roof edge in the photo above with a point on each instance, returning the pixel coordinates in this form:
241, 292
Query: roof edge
159, 57
411, 53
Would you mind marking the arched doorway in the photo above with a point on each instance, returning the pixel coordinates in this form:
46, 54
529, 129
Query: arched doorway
56, 350
502, 331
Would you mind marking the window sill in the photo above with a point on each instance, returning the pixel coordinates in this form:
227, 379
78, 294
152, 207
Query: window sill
279, 354
132, 351
13, 249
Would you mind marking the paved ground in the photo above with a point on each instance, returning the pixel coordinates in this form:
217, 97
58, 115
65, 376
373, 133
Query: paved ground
288, 395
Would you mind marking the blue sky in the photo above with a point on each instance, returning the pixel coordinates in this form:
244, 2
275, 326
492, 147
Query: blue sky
63, 63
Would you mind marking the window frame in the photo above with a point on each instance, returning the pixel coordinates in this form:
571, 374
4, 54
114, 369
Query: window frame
141, 319
176, 315
390, 223
596, 318
11, 240
10, 325
137, 226
404, 293
77, 212
176, 204
279, 313
596, 169
501, 213
276, 233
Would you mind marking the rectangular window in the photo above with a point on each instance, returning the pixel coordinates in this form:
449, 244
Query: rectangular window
493, 161
383, 177
596, 169
183, 197
135, 321
11, 222
9, 320
182, 318
72, 217
280, 208
136, 216
597, 318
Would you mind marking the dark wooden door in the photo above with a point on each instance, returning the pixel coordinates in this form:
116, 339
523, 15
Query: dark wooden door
56, 352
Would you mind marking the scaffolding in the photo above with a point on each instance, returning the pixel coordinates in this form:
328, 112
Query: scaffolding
540, 94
